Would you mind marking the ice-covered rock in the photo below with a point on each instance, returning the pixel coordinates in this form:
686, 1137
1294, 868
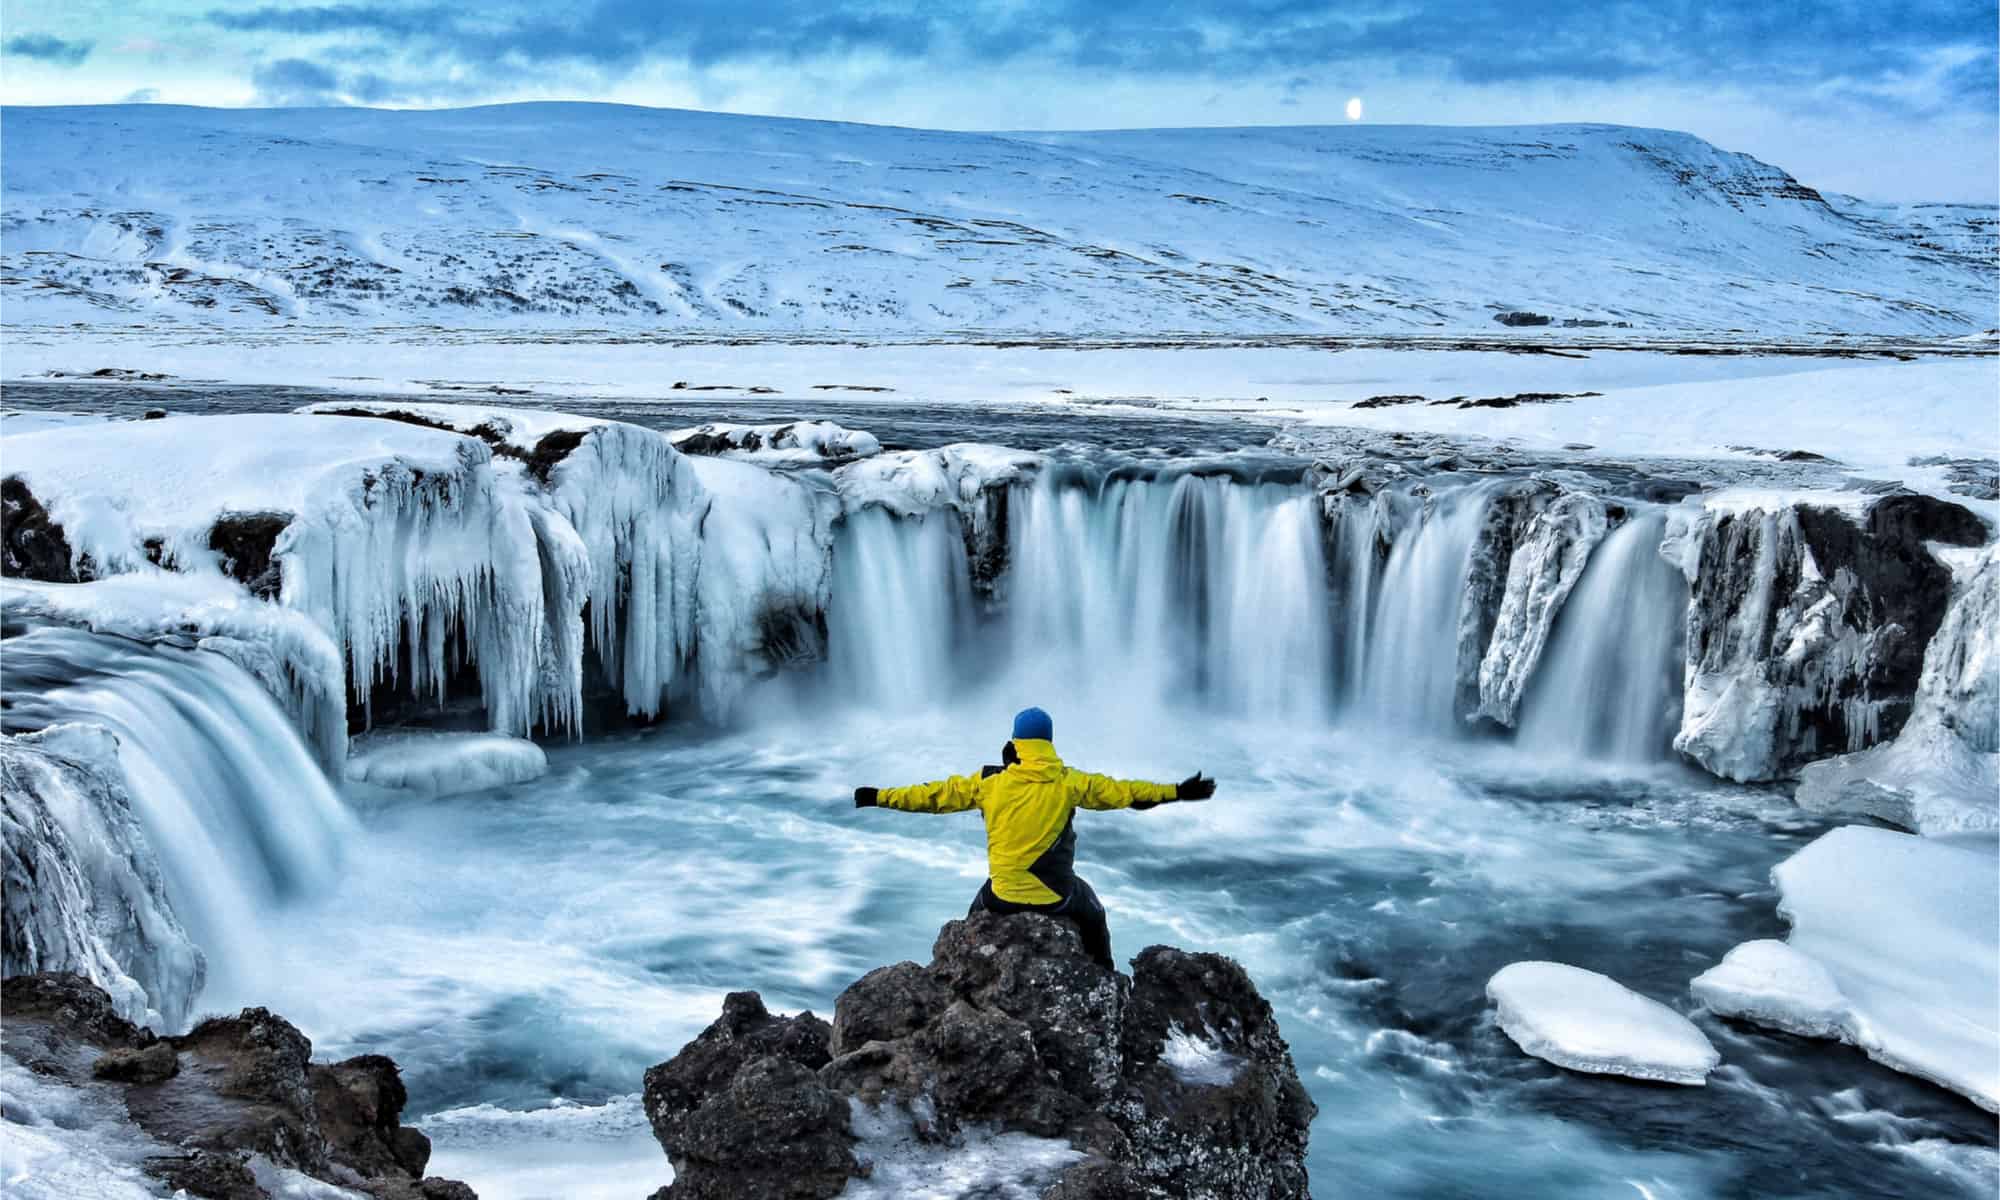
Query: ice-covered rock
1807, 623
83, 892
809, 443
1941, 774
389, 535
441, 764
1589, 1022
1012, 1060
1894, 949
1544, 563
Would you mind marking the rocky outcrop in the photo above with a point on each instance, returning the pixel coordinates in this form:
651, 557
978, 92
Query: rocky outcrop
1174, 1082
1807, 626
232, 1094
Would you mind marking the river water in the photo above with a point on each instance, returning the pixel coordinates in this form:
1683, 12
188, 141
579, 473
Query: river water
526, 952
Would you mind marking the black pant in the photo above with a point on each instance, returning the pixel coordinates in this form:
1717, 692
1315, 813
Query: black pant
1081, 908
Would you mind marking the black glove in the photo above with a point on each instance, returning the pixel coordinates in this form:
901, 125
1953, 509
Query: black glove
864, 797
1194, 787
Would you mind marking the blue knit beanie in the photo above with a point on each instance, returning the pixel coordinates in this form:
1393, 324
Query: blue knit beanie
1034, 723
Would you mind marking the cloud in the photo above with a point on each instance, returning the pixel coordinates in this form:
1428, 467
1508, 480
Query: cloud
296, 83
49, 49
1848, 44
141, 96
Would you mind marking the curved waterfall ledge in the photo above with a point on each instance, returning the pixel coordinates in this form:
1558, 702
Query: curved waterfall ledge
391, 563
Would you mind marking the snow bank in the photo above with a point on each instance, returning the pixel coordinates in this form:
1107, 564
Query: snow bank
794, 442
1942, 772
1894, 949
83, 891
1584, 1021
442, 764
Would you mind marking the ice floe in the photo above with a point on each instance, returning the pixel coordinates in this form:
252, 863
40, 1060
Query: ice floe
1589, 1022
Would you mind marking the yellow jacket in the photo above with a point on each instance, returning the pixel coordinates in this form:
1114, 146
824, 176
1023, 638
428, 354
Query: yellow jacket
1030, 843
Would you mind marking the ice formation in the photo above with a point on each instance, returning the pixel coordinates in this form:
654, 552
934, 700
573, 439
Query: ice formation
1894, 949
1941, 774
1588, 1022
83, 891
441, 764
1807, 623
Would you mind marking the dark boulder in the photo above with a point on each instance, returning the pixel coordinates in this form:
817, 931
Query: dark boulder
1011, 1028
744, 1033
31, 545
773, 1130
229, 1088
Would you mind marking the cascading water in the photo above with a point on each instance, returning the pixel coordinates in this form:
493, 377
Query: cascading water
1608, 687
1194, 586
1404, 631
233, 802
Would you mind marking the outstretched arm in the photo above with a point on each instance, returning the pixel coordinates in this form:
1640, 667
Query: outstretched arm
1103, 792
955, 794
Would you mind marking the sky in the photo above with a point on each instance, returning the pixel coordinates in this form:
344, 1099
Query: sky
1889, 100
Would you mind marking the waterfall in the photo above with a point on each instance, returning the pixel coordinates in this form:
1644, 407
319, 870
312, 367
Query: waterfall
1404, 628
1609, 686
900, 609
233, 803
1194, 587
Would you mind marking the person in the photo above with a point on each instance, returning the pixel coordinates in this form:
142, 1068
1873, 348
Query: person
1030, 803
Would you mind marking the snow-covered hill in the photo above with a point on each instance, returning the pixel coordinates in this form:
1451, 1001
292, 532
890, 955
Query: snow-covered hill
568, 215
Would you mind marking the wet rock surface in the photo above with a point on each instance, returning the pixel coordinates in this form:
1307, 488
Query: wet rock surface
230, 1089
1011, 1028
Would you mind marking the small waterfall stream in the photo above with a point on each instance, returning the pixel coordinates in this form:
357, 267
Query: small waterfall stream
1608, 687
235, 806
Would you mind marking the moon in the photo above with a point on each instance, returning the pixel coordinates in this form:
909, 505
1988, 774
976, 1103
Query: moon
1354, 108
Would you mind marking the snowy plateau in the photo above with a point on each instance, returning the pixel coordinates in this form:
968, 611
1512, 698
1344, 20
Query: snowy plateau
564, 215
459, 563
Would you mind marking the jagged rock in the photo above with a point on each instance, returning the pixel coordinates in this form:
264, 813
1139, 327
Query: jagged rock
1011, 1028
885, 1004
1807, 627
229, 1088
1204, 1068
773, 1130
745, 1033
360, 1103
31, 545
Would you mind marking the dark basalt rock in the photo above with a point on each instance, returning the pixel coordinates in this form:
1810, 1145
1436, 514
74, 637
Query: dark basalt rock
745, 1032
246, 542
31, 545
229, 1088
1011, 1027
